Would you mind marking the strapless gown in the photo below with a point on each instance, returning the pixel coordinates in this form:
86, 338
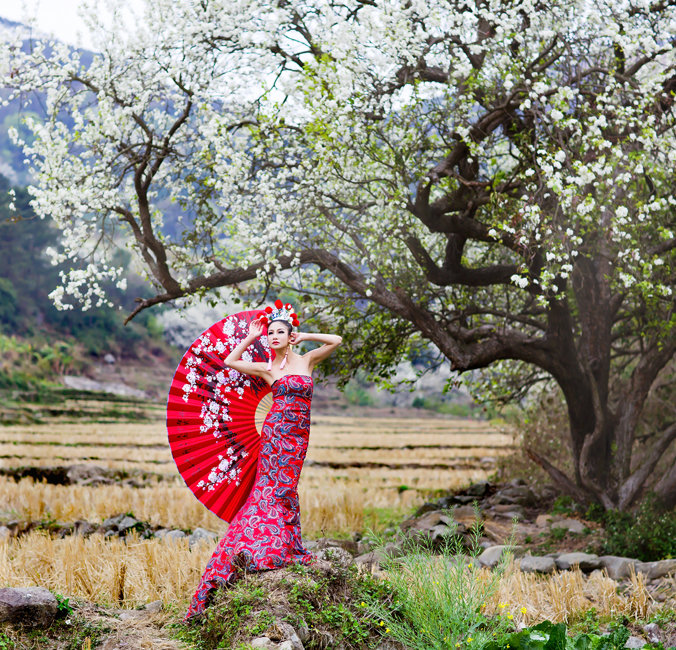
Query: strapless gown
265, 533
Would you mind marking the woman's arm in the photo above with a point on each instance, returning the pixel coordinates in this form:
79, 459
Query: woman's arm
234, 359
329, 343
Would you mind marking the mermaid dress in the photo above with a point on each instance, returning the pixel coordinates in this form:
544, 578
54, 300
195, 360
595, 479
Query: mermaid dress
265, 532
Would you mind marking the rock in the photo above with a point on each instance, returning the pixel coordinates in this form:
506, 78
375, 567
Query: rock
535, 564
336, 555
463, 498
427, 521
543, 520
373, 559
466, 512
127, 523
654, 570
570, 525
174, 535
634, 642
348, 545
281, 636
83, 527
478, 489
154, 607
5, 533
617, 568
427, 507
508, 511
494, 554
116, 388
109, 359
516, 494
200, 534
585, 561
653, 632
77, 474
32, 606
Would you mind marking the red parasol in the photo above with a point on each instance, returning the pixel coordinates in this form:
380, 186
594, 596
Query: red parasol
215, 415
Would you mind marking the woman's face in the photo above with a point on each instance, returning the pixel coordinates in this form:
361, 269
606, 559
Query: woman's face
278, 335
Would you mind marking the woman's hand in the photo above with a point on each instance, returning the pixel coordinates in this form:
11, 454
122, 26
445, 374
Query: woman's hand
297, 337
256, 328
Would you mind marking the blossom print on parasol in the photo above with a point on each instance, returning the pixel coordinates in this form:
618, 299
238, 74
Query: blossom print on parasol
215, 415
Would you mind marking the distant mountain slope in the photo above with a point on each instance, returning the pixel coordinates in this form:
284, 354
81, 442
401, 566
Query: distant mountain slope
12, 164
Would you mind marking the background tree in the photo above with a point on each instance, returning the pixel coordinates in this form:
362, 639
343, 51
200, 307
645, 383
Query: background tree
493, 178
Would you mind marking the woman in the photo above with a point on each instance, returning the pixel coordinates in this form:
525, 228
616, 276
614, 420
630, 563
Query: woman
265, 533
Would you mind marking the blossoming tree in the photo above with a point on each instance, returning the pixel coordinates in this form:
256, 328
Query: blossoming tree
493, 177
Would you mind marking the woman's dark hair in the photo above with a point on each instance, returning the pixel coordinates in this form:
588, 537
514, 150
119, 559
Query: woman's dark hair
289, 326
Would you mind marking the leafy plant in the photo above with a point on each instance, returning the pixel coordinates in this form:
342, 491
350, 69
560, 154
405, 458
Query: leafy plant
647, 534
552, 636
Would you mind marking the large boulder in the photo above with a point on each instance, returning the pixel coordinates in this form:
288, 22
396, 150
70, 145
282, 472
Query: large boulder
31, 606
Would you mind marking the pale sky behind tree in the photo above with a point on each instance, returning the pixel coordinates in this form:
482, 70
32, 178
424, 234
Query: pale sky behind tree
59, 18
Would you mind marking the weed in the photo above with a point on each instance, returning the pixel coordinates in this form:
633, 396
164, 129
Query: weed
438, 600
63, 606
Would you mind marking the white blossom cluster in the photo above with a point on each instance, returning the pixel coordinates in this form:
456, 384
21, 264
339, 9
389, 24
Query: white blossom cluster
284, 127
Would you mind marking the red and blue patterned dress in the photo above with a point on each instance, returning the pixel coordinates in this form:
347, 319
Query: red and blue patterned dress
265, 533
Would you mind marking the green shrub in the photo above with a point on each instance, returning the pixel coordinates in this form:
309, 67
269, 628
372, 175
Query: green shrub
647, 534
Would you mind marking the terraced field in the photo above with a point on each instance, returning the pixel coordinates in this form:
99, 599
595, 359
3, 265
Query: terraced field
356, 469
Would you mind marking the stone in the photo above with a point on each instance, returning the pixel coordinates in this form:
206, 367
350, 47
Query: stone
427, 521
5, 533
570, 525
201, 534
154, 607
83, 527
508, 511
535, 564
655, 570
81, 472
543, 520
517, 494
585, 561
634, 642
31, 606
109, 358
653, 632
335, 555
373, 559
492, 556
463, 498
617, 567
478, 489
466, 512
127, 523
348, 545
175, 535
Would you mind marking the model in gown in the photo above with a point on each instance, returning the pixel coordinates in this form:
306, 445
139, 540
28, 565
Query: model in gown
265, 533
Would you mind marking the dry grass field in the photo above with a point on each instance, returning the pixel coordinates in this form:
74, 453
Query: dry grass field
360, 473
356, 468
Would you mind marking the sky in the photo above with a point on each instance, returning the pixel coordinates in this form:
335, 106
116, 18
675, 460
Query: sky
54, 17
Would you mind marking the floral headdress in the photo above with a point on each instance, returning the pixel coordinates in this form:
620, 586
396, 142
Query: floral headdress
280, 311
283, 312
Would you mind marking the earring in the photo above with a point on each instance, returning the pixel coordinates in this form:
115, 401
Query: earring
281, 365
